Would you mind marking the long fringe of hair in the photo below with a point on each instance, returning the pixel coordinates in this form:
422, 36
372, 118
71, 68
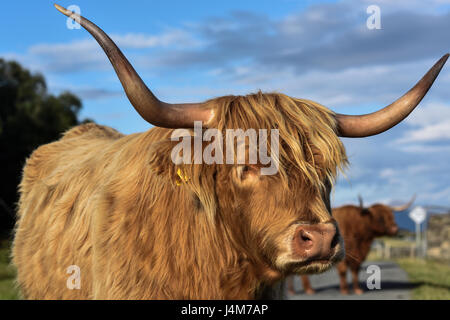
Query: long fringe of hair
307, 131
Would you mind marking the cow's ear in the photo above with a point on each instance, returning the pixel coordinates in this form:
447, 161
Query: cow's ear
160, 159
176, 157
167, 160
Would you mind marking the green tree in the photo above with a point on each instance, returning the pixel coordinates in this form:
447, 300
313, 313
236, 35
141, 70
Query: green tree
29, 117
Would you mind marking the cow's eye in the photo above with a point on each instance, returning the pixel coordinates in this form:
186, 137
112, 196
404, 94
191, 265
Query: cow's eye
248, 171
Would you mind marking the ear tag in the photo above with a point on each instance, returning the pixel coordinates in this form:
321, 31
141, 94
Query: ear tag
183, 177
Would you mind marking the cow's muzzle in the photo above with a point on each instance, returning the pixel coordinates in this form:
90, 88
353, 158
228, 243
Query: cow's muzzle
317, 242
393, 230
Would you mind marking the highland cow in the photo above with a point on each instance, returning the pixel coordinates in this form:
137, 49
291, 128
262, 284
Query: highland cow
139, 226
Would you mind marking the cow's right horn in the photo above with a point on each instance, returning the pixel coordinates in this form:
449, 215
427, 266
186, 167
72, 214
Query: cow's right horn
150, 108
405, 206
377, 122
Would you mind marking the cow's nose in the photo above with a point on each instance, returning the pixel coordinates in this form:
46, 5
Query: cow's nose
393, 230
316, 241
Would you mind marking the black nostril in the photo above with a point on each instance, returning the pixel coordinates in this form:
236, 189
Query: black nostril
335, 240
304, 236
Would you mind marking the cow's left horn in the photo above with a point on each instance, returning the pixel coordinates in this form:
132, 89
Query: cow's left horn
361, 202
374, 123
405, 206
150, 108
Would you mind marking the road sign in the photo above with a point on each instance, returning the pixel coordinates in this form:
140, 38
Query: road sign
418, 215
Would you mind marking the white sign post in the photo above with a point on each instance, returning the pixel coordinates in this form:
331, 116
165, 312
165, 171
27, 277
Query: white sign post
418, 215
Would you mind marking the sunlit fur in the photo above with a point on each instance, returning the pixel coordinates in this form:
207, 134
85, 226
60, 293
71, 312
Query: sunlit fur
109, 203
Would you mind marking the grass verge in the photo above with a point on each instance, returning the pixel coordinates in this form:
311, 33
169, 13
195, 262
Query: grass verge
431, 277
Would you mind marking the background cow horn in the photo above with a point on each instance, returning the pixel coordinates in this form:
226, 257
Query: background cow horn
150, 108
361, 203
405, 206
384, 119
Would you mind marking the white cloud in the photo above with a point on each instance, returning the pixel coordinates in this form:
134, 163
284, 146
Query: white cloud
435, 132
430, 123
69, 57
415, 5
438, 195
387, 173
86, 54
424, 149
374, 86
86, 46
399, 174
429, 114
173, 37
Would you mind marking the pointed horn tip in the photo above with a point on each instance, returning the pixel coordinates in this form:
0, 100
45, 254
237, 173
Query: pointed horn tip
436, 69
442, 61
61, 9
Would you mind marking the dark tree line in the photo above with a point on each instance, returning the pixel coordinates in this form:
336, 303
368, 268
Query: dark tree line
29, 117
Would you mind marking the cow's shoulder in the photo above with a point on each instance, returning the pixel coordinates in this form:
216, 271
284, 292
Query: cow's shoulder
78, 145
93, 130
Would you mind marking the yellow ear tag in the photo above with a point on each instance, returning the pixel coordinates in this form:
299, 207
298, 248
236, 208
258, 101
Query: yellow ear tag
182, 176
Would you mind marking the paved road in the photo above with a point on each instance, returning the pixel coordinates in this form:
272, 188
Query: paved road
394, 285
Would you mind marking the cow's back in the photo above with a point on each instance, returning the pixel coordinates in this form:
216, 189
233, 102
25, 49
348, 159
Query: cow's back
53, 227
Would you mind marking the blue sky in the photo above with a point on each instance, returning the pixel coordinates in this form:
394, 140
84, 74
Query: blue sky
319, 50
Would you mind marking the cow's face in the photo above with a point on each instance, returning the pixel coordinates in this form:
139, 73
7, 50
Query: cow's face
289, 228
382, 220
281, 221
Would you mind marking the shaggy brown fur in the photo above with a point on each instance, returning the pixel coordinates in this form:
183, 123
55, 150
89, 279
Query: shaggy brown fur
359, 227
109, 204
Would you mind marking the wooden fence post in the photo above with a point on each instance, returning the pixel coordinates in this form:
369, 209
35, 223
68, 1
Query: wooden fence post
387, 251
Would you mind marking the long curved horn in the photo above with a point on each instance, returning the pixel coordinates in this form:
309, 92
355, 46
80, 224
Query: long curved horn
150, 108
384, 119
405, 206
